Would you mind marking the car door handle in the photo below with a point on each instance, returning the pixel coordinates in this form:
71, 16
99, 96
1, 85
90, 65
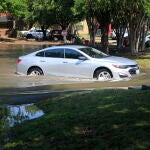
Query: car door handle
42, 61
65, 62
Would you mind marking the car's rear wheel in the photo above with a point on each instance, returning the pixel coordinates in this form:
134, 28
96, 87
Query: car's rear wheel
147, 44
103, 75
35, 71
29, 36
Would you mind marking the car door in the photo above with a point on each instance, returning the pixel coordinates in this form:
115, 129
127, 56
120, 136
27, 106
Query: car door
52, 63
76, 67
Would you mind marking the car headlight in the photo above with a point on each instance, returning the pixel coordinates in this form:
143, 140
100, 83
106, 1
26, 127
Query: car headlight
121, 66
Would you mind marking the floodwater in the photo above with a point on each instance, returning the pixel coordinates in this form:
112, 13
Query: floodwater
12, 115
20, 113
9, 54
8, 59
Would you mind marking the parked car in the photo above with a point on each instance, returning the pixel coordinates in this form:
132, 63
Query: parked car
23, 33
56, 35
113, 35
147, 41
33, 33
76, 61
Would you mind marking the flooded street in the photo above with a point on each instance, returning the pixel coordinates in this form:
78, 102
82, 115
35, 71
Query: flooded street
9, 54
8, 59
8, 78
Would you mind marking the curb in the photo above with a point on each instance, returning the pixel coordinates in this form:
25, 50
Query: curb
143, 87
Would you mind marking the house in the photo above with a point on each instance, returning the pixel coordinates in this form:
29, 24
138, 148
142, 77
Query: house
6, 23
82, 29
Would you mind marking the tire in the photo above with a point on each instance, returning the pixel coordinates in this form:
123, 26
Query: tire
147, 44
55, 39
103, 75
29, 36
35, 71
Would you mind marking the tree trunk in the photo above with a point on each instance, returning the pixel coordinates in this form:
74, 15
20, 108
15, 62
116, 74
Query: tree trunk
14, 24
120, 36
133, 41
44, 32
144, 29
104, 38
137, 38
91, 22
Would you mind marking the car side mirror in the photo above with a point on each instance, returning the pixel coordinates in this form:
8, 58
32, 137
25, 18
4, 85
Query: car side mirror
82, 58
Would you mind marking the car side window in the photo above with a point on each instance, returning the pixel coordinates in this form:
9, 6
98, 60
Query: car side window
40, 54
56, 53
72, 54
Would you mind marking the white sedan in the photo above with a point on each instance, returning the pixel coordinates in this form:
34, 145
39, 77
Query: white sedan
76, 61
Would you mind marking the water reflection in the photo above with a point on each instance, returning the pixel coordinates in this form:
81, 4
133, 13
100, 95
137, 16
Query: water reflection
20, 113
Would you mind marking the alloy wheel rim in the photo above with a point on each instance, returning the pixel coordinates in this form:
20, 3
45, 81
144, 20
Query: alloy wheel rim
35, 73
104, 76
55, 39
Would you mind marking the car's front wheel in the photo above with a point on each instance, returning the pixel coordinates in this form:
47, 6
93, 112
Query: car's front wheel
29, 36
103, 75
55, 39
35, 71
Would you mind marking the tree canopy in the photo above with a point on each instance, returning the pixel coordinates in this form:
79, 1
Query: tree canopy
130, 14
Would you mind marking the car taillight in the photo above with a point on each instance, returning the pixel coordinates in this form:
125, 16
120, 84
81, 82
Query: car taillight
19, 60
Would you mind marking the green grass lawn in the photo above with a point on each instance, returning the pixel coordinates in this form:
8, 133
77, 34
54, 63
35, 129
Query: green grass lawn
93, 120
144, 61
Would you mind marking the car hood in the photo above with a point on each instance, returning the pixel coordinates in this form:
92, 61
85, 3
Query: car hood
116, 60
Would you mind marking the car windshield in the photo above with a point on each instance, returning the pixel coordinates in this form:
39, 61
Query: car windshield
94, 53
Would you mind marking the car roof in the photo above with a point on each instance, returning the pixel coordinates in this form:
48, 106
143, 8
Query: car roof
60, 46
70, 46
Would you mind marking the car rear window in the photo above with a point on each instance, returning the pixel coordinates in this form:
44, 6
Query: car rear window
40, 54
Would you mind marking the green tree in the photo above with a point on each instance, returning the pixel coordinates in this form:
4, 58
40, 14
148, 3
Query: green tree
64, 12
96, 12
49, 12
87, 9
18, 8
103, 15
119, 21
137, 20
134, 13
